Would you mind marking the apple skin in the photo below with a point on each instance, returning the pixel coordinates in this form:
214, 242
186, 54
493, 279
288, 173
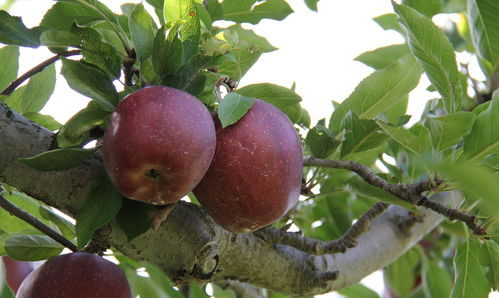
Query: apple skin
76, 275
255, 176
16, 272
158, 145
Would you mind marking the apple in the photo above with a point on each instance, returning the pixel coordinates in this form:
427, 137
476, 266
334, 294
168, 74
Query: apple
255, 176
76, 275
158, 145
16, 272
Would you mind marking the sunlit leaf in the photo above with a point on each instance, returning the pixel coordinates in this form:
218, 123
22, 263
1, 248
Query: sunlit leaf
245, 11
384, 56
9, 55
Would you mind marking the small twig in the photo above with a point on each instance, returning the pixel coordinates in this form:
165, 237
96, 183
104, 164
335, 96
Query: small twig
407, 192
37, 69
128, 70
317, 247
35, 222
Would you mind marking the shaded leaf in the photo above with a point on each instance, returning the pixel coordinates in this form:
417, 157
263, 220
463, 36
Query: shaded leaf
59, 38
38, 91
142, 28
435, 54
448, 130
9, 55
483, 139
470, 280
359, 135
167, 52
46, 121
321, 141
237, 62
13, 31
90, 82
436, 280
14, 225
389, 22
66, 227
101, 206
400, 275
133, 218
379, 91
405, 138
32, 247
233, 107
75, 129
489, 258
484, 25
311, 4
58, 159
428, 8
384, 56
63, 14
184, 12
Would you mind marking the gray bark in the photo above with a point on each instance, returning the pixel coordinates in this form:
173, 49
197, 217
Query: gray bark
190, 245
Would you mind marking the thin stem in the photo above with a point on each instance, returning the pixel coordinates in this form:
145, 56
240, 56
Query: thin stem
37, 69
35, 222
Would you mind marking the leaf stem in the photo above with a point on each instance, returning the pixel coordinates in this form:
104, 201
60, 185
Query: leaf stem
37, 69
35, 222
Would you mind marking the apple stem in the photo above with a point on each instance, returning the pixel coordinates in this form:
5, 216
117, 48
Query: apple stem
37, 69
35, 222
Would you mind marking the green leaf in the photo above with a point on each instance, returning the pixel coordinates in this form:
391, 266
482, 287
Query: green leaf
280, 97
389, 22
483, 139
359, 135
358, 290
58, 159
245, 11
489, 258
133, 218
311, 4
9, 55
74, 131
90, 82
428, 8
321, 141
484, 25
297, 115
46, 121
435, 54
143, 286
65, 226
32, 247
405, 138
98, 52
236, 63
470, 280
248, 39
13, 31
38, 91
59, 38
448, 130
156, 3
384, 56
11, 224
63, 14
6, 291
101, 206
161, 279
184, 12
142, 28
379, 92
167, 52
233, 107
436, 280
400, 275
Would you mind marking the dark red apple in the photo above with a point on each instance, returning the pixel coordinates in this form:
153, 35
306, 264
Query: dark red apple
16, 272
76, 275
158, 145
255, 176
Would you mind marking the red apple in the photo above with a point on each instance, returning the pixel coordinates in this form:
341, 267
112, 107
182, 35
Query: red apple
255, 176
158, 145
16, 272
76, 275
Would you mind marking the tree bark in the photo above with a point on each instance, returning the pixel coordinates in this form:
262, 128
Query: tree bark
190, 245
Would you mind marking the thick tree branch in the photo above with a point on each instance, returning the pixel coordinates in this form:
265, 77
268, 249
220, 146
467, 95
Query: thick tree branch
35, 222
190, 245
37, 69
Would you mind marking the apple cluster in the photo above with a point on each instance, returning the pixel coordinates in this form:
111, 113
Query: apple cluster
162, 143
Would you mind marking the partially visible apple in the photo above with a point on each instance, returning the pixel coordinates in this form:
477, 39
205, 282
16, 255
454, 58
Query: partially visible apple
16, 272
76, 275
255, 176
158, 145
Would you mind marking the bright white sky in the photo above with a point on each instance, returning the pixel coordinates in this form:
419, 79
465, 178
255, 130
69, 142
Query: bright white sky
316, 51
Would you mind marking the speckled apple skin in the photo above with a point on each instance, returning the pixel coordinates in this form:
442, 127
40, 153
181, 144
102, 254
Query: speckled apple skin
255, 176
158, 128
76, 275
